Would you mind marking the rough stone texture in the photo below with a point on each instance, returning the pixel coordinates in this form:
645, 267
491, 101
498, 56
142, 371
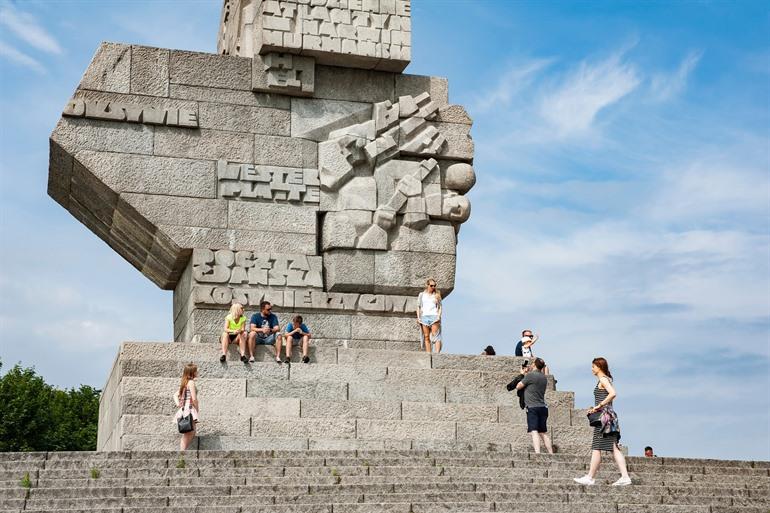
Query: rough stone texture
204, 144
271, 217
74, 134
393, 328
384, 410
404, 272
395, 392
414, 85
240, 118
229, 96
346, 373
453, 114
109, 70
231, 389
399, 430
348, 271
202, 237
423, 411
285, 151
320, 390
316, 119
172, 210
152, 175
149, 71
209, 70
459, 142
301, 428
354, 85
437, 237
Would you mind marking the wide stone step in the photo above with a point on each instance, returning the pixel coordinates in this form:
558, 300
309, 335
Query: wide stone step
381, 357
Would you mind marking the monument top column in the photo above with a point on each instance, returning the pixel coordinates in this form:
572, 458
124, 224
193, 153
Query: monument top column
367, 34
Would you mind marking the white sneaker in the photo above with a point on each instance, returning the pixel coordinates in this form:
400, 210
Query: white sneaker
585, 480
623, 481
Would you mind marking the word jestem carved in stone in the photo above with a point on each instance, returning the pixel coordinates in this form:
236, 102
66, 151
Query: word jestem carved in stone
254, 268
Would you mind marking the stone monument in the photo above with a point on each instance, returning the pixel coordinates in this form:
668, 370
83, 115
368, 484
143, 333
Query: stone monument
299, 166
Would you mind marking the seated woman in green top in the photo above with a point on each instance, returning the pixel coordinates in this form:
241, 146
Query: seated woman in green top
235, 332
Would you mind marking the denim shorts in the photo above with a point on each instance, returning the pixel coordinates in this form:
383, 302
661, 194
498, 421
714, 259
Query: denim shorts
266, 341
536, 419
428, 320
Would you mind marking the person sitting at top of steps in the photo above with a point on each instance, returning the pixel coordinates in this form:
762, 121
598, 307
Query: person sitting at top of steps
234, 332
488, 351
534, 385
297, 333
264, 330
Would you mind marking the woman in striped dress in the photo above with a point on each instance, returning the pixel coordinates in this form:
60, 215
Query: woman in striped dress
186, 399
607, 435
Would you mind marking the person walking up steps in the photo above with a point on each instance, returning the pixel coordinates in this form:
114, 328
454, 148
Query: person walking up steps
534, 385
186, 400
429, 316
606, 436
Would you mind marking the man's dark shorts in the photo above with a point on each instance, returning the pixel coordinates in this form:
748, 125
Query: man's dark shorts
536, 419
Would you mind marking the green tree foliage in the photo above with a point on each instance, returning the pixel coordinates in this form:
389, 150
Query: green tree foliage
34, 416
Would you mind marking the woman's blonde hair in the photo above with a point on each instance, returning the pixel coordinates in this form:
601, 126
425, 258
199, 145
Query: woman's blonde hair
190, 372
236, 310
436, 292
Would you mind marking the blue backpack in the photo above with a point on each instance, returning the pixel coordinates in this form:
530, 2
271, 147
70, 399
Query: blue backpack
519, 349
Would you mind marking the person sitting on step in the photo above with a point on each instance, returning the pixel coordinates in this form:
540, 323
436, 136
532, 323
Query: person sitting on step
297, 333
264, 330
234, 332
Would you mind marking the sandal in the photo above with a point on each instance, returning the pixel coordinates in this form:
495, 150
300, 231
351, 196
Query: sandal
223, 358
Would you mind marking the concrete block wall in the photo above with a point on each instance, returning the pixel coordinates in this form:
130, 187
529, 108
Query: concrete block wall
345, 398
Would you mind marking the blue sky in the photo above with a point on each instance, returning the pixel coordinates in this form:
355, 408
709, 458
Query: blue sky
622, 207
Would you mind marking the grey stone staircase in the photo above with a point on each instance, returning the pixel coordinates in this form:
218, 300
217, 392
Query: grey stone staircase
394, 481
346, 398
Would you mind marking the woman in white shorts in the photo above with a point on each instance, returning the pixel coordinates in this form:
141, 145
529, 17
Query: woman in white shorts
429, 316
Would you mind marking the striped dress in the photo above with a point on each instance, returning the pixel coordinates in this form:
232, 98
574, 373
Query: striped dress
601, 442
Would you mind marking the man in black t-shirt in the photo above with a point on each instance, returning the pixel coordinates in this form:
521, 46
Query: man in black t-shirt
534, 385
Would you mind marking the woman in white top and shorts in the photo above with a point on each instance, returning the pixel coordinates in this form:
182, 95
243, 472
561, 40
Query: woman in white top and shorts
429, 316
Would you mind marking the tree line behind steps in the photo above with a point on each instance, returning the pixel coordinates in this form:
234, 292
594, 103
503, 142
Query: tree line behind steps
35, 416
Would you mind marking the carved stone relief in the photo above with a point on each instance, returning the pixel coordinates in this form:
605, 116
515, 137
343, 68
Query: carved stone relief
356, 33
269, 183
132, 113
373, 177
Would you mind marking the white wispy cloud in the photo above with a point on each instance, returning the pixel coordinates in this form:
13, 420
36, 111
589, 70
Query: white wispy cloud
27, 28
664, 86
518, 77
21, 58
572, 107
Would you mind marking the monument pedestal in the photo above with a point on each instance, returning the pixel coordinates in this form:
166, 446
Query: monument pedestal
345, 399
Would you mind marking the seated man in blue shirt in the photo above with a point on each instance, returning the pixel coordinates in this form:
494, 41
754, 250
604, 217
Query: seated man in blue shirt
297, 333
264, 330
